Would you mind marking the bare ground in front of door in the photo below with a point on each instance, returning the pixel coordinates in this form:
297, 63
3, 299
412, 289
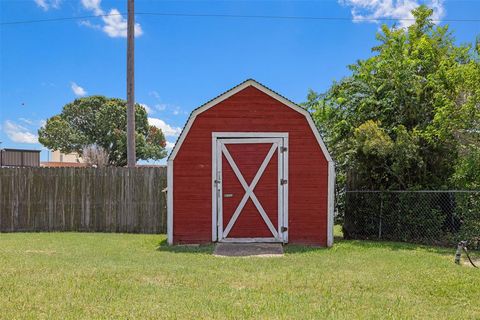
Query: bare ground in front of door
248, 250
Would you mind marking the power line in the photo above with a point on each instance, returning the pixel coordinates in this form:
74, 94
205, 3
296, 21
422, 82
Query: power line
295, 17
235, 16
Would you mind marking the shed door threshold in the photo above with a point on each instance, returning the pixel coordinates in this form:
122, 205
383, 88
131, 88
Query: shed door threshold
250, 240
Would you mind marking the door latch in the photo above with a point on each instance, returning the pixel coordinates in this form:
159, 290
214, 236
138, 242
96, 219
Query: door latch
283, 181
284, 229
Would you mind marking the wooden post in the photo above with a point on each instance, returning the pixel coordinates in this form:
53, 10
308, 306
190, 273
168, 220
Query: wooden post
131, 154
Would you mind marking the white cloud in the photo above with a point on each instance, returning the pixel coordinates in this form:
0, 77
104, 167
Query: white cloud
48, 4
93, 5
167, 130
27, 121
42, 4
115, 25
176, 110
170, 145
147, 108
155, 94
161, 107
88, 24
391, 9
77, 90
33, 123
18, 134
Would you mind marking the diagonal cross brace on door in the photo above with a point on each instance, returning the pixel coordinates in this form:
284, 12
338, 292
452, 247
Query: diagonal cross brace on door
276, 142
249, 193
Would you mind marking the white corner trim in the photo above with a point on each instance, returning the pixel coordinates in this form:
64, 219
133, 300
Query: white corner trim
170, 202
182, 137
285, 189
237, 89
214, 189
331, 203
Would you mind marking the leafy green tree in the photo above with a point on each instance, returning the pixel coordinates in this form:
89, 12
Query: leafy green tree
394, 122
102, 121
467, 167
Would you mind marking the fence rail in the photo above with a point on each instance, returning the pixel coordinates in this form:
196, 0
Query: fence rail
431, 217
83, 199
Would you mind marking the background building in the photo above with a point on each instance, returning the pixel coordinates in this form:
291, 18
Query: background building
19, 158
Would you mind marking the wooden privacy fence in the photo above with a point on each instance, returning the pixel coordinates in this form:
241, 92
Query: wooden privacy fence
83, 199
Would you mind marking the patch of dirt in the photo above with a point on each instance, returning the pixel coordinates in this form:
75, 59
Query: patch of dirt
467, 263
47, 252
264, 250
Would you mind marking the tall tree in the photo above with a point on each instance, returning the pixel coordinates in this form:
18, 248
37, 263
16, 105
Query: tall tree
101, 121
394, 123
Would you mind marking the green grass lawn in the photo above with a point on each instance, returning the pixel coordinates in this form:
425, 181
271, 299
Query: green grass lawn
88, 275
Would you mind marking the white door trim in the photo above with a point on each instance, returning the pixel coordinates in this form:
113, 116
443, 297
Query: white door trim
170, 202
279, 142
250, 134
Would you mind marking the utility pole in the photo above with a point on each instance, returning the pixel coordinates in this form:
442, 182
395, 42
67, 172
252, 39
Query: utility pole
131, 154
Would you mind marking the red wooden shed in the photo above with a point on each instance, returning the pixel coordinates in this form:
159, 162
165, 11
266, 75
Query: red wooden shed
250, 166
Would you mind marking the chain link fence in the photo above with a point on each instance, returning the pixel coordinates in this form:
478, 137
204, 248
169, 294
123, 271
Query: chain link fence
427, 217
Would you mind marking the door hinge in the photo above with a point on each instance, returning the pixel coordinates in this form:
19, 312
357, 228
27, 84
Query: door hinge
283, 181
283, 149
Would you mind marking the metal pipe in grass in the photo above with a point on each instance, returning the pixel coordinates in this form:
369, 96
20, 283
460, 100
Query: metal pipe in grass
462, 246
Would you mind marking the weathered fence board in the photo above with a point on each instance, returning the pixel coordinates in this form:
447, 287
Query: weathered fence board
83, 199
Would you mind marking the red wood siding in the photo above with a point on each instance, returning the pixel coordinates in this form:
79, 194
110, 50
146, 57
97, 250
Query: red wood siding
250, 110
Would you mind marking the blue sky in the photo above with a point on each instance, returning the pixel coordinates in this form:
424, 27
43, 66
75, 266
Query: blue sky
182, 62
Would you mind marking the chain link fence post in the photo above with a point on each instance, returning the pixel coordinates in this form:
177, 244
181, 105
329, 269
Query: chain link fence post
381, 216
435, 217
